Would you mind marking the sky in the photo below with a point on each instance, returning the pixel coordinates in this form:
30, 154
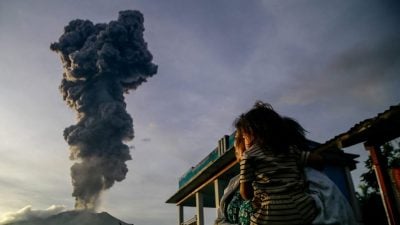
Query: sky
328, 64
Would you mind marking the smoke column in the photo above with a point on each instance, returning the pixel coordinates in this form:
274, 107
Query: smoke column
101, 62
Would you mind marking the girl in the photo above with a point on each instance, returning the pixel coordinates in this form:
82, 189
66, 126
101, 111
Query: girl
269, 148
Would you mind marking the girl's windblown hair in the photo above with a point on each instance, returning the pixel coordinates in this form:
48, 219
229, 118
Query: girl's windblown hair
269, 129
295, 133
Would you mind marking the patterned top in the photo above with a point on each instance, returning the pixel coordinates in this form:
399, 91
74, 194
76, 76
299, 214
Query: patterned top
279, 186
239, 210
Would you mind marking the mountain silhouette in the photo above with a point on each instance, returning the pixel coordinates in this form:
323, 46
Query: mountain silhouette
74, 218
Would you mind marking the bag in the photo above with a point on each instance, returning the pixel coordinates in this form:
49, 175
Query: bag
334, 209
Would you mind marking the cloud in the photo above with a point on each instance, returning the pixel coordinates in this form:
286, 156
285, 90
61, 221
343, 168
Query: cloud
27, 213
366, 74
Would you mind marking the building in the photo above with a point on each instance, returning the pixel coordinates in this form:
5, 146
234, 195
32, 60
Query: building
203, 185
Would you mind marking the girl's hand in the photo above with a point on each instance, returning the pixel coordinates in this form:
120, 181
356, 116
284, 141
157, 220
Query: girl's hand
238, 154
239, 147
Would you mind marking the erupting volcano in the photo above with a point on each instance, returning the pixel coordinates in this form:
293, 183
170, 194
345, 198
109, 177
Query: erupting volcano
101, 62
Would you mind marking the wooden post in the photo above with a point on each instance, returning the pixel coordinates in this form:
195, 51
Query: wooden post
380, 169
218, 189
199, 208
352, 196
180, 214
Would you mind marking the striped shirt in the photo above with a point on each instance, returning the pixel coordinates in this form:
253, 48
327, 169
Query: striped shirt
279, 186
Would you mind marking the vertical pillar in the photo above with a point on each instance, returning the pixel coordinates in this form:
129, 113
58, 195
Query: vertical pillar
218, 189
199, 208
352, 197
380, 169
180, 214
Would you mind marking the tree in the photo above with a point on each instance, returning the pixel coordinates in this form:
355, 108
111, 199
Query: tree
369, 195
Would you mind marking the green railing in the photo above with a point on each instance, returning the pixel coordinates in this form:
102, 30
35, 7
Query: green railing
209, 159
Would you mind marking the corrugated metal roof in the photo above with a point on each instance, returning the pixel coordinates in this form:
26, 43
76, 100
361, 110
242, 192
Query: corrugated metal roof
380, 129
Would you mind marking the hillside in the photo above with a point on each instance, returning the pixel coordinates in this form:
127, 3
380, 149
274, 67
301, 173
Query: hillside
74, 218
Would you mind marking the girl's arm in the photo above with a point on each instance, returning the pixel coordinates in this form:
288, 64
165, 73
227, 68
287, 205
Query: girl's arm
246, 177
245, 187
312, 159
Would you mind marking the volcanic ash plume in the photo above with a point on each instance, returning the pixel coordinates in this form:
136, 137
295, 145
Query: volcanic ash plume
101, 62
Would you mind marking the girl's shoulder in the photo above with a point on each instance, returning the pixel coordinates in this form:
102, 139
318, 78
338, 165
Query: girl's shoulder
257, 152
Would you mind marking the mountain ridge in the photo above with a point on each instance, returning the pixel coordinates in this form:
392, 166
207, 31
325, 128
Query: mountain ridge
73, 218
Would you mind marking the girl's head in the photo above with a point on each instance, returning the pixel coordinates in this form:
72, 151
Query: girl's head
265, 127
